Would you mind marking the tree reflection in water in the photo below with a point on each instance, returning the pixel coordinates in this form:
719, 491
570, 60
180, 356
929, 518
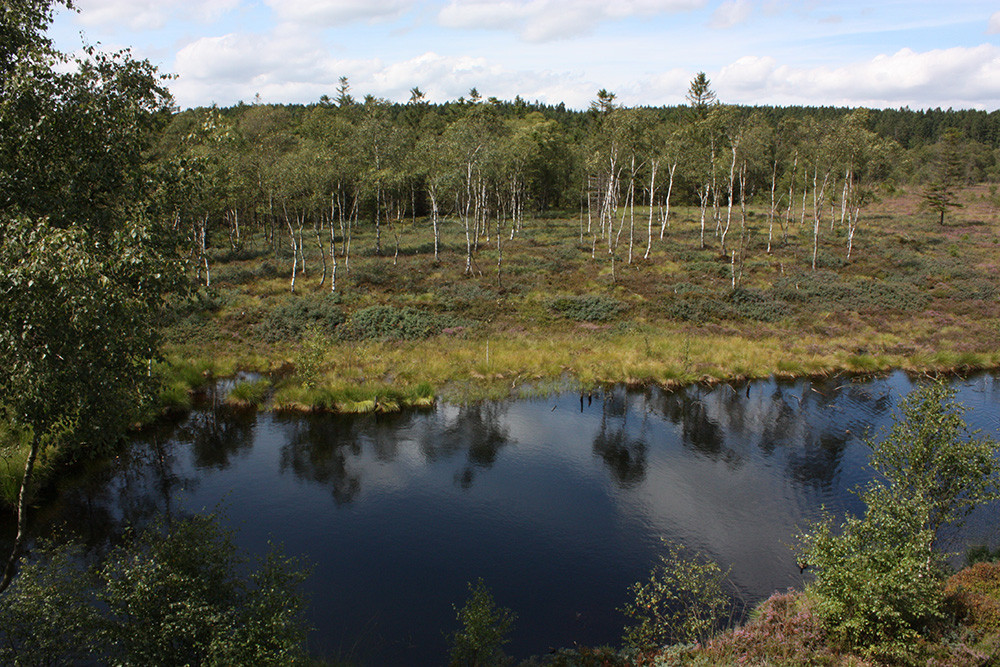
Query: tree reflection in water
623, 452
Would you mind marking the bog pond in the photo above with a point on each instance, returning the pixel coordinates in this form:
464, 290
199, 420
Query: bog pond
558, 503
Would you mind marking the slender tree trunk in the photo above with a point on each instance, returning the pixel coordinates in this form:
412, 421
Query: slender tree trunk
333, 247
652, 190
22, 516
773, 209
317, 228
431, 191
729, 207
295, 252
670, 187
631, 211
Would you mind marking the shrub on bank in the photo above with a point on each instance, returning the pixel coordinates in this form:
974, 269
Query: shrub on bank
394, 323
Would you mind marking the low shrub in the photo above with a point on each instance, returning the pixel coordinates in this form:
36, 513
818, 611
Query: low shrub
826, 291
751, 304
395, 323
973, 596
588, 307
684, 600
290, 320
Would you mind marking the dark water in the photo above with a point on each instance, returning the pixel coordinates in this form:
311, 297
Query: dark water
558, 504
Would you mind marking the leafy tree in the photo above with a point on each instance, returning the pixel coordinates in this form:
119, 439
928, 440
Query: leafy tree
879, 580
684, 600
930, 455
168, 595
82, 270
484, 629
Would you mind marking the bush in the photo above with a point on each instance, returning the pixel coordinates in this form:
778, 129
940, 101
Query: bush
588, 307
290, 320
483, 632
823, 290
168, 595
749, 304
683, 600
394, 323
879, 581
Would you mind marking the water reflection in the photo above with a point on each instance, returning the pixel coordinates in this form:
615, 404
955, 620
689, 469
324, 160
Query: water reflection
318, 451
558, 503
622, 449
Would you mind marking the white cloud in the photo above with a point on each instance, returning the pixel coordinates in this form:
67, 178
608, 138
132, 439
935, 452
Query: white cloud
333, 12
731, 13
149, 14
958, 77
280, 67
544, 20
292, 68
994, 26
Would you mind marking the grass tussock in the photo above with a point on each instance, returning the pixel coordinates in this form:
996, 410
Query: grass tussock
351, 399
249, 393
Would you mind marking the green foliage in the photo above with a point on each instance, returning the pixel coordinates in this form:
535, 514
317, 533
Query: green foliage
290, 320
684, 600
49, 615
751, 304
930, 456
309, 360
588, 307
981, 553
879, 580
168, 595
483, 630
827, 291
395, 323
77, 333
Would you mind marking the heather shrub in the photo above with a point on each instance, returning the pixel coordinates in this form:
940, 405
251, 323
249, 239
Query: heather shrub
974, 597
750, 304
782, 630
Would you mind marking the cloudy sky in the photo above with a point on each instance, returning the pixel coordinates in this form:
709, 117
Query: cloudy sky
884, 53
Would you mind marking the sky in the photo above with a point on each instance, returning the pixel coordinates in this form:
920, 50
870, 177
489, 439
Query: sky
769, 52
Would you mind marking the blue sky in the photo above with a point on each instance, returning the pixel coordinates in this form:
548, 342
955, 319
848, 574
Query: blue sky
853, 53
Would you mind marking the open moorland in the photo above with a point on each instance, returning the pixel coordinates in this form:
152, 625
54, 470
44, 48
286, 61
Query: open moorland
400, 328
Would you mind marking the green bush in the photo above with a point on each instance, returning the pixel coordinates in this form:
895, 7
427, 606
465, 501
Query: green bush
290, 320
684, 600
749, 304
826, 291
172, 594
483, 632
395, 323
697, 309
588, 307
879, 580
